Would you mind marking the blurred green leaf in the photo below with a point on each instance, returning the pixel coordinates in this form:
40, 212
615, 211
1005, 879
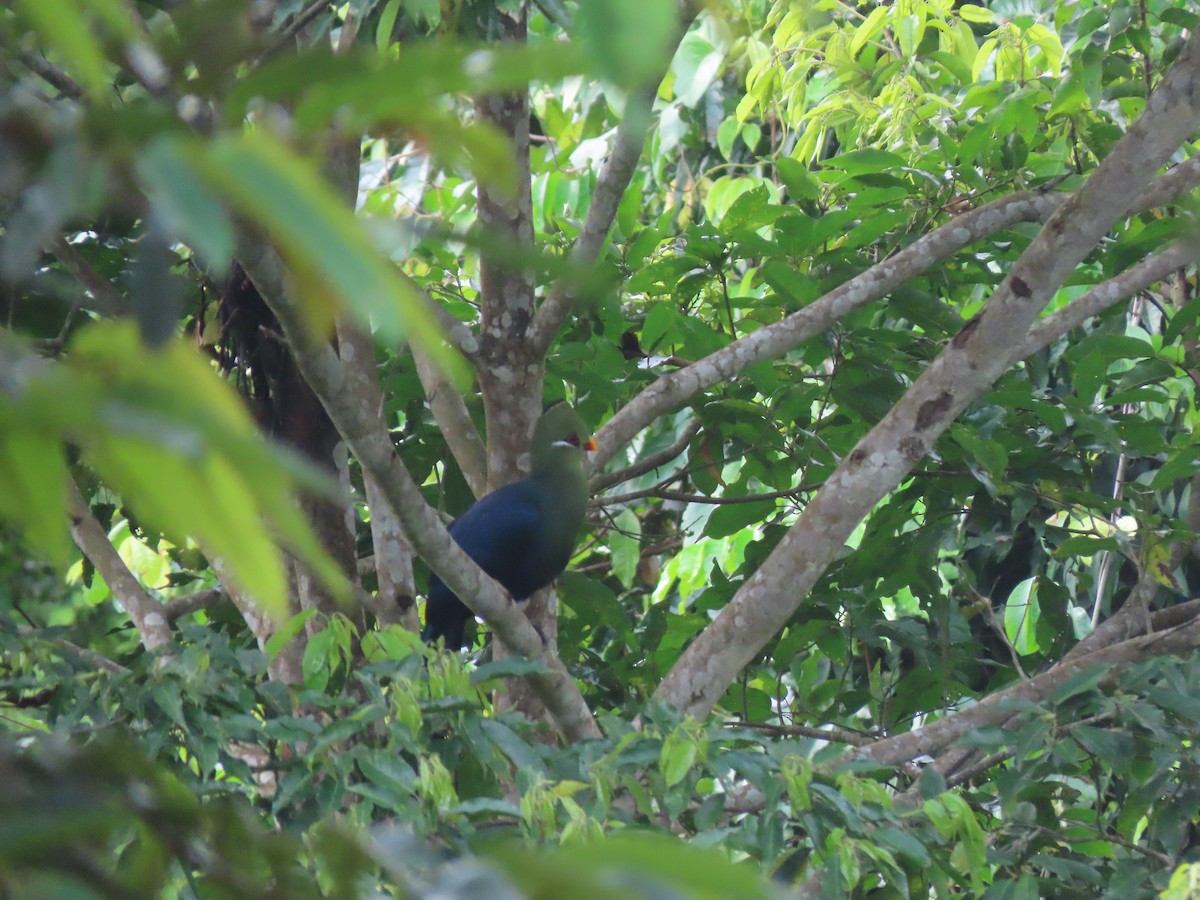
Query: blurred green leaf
284, 195
628, 41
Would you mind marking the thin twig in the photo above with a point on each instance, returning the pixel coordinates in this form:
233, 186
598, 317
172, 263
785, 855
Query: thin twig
47, 71
653, 461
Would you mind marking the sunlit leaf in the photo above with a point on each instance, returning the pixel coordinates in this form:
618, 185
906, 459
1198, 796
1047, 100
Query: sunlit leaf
286, 197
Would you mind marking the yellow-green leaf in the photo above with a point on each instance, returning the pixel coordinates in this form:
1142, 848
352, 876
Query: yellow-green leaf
285, 195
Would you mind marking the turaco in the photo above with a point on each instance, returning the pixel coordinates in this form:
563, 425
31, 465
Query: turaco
523, 534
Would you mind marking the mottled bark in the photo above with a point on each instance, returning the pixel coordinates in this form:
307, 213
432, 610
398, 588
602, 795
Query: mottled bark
145, 611
968, 365
357, 420
672, 391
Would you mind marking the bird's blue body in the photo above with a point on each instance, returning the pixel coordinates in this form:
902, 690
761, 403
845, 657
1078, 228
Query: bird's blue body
506, 533
523, 534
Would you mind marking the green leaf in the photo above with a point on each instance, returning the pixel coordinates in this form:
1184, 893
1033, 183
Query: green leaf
800, 183
184, 205
520, 753
284, 195
628, 41
1021, 614
387, 22
287, 631
977, 14
696, 65
679, 753
65, 27
33, 487
730, 518
625, 546
865, 162
870, 27
508, 667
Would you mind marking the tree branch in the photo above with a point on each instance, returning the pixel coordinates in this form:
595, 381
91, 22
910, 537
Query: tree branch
454, 422
178, 607
110, 300
52, 74
395, 601
673, 390
996, 709
611, 185
356, 421
653, 461
1121, 287
967, 366
146, 612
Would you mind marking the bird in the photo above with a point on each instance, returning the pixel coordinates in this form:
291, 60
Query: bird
523, 534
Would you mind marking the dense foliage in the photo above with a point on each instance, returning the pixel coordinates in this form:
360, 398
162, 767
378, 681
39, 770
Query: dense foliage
842, 622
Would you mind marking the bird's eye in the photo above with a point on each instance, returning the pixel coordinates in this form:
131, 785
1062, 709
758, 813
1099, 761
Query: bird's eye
573, 440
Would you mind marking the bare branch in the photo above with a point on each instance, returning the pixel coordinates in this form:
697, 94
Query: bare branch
111, 301
673, 390
610, 187
395, 601
56, 77
686, 497
358, 423
146, 612
965, 369
1121, 287
996, 709
91, 657
831, 733
454, 422
178, 607
653, 461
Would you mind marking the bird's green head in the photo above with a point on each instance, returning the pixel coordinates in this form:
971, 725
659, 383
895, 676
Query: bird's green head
559, 439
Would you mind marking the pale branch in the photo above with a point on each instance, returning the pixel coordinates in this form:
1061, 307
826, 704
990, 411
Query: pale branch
1130, 620
395, 601
997, 708
454, 422
458, 333
653, 461
671, 391
52, 74
1176, 630
661, 493
358, 423
967, 366
675, 389
831, 733
286, 666
145, 611
292, 29
1121, 287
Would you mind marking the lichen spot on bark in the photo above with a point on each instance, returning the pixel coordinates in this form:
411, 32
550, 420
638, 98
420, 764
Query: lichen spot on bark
966, 331
931, 412
913, 448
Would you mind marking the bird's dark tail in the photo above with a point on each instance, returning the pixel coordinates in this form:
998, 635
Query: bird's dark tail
445, 618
